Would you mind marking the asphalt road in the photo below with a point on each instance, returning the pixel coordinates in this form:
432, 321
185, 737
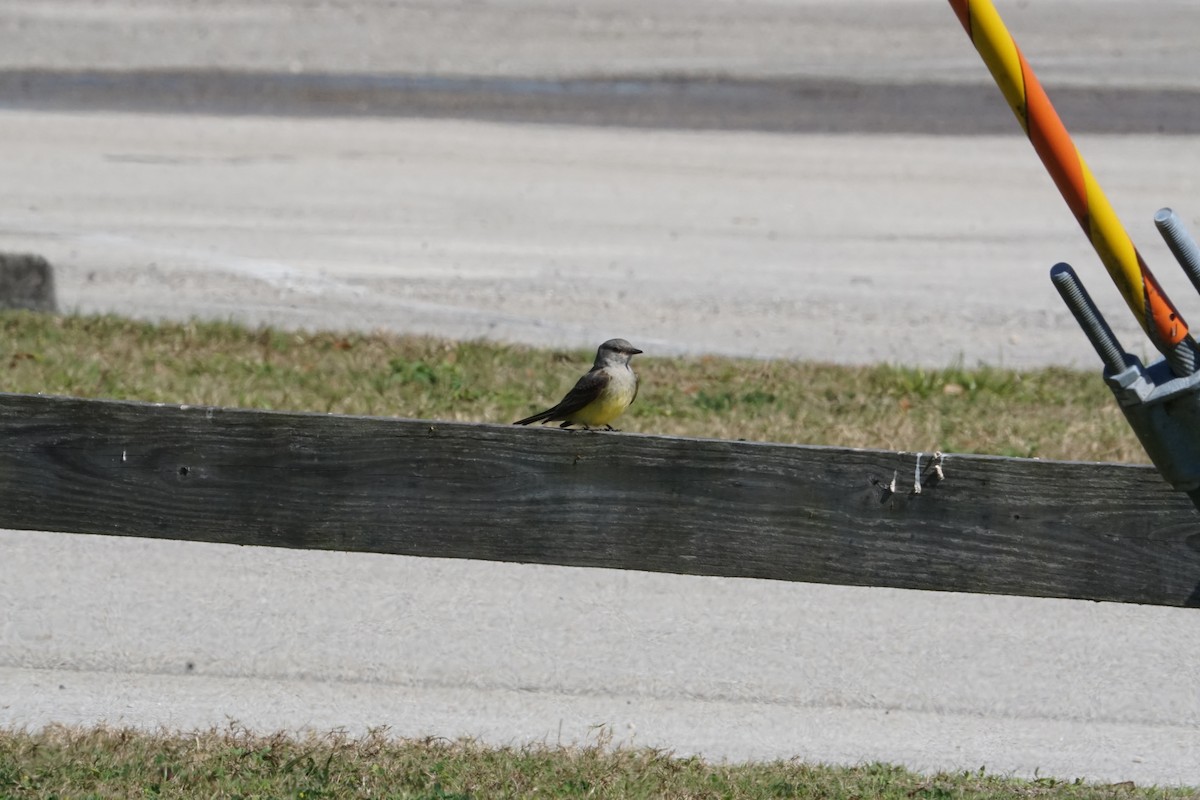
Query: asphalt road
858, 232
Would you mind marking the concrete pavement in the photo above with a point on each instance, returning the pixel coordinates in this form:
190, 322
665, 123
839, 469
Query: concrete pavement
1070, 42
850, 248
857, 248
184, 635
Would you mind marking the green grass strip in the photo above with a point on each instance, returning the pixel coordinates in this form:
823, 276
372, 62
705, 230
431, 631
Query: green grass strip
108, 763
1045, 413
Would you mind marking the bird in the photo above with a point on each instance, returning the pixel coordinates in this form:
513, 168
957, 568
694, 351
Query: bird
601, 395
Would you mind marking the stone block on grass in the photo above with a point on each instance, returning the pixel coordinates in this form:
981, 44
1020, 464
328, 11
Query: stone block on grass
27, 281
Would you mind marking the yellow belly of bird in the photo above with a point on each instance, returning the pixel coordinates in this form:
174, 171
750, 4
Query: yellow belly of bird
605, 408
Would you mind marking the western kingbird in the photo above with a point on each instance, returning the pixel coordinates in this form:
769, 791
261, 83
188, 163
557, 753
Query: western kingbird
601, 395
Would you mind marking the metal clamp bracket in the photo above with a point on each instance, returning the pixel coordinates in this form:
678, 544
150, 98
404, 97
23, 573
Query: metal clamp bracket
1161, 405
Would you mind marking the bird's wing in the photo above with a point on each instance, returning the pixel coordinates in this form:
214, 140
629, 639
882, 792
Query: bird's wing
539, 417
587, 389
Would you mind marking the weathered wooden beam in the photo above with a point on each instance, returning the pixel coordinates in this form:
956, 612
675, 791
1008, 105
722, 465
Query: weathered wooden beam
624, 501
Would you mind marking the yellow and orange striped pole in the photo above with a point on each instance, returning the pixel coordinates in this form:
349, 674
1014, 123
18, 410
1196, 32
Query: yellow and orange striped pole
1012, 73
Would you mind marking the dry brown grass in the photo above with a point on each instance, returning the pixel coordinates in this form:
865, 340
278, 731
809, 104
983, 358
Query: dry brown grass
109, 763
1048, 413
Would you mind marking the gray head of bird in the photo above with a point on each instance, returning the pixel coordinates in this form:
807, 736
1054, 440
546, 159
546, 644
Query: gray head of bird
615, 351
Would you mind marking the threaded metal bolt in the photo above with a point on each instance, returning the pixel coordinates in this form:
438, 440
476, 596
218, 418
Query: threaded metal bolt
1180, 242
1088, 316
1182, 357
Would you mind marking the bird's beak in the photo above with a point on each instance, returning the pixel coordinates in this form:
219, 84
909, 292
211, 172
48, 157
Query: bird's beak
634, 351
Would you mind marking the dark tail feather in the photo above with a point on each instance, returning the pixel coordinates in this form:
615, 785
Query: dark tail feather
545, 415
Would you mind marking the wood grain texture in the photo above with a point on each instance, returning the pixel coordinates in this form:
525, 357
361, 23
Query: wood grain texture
624, 501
